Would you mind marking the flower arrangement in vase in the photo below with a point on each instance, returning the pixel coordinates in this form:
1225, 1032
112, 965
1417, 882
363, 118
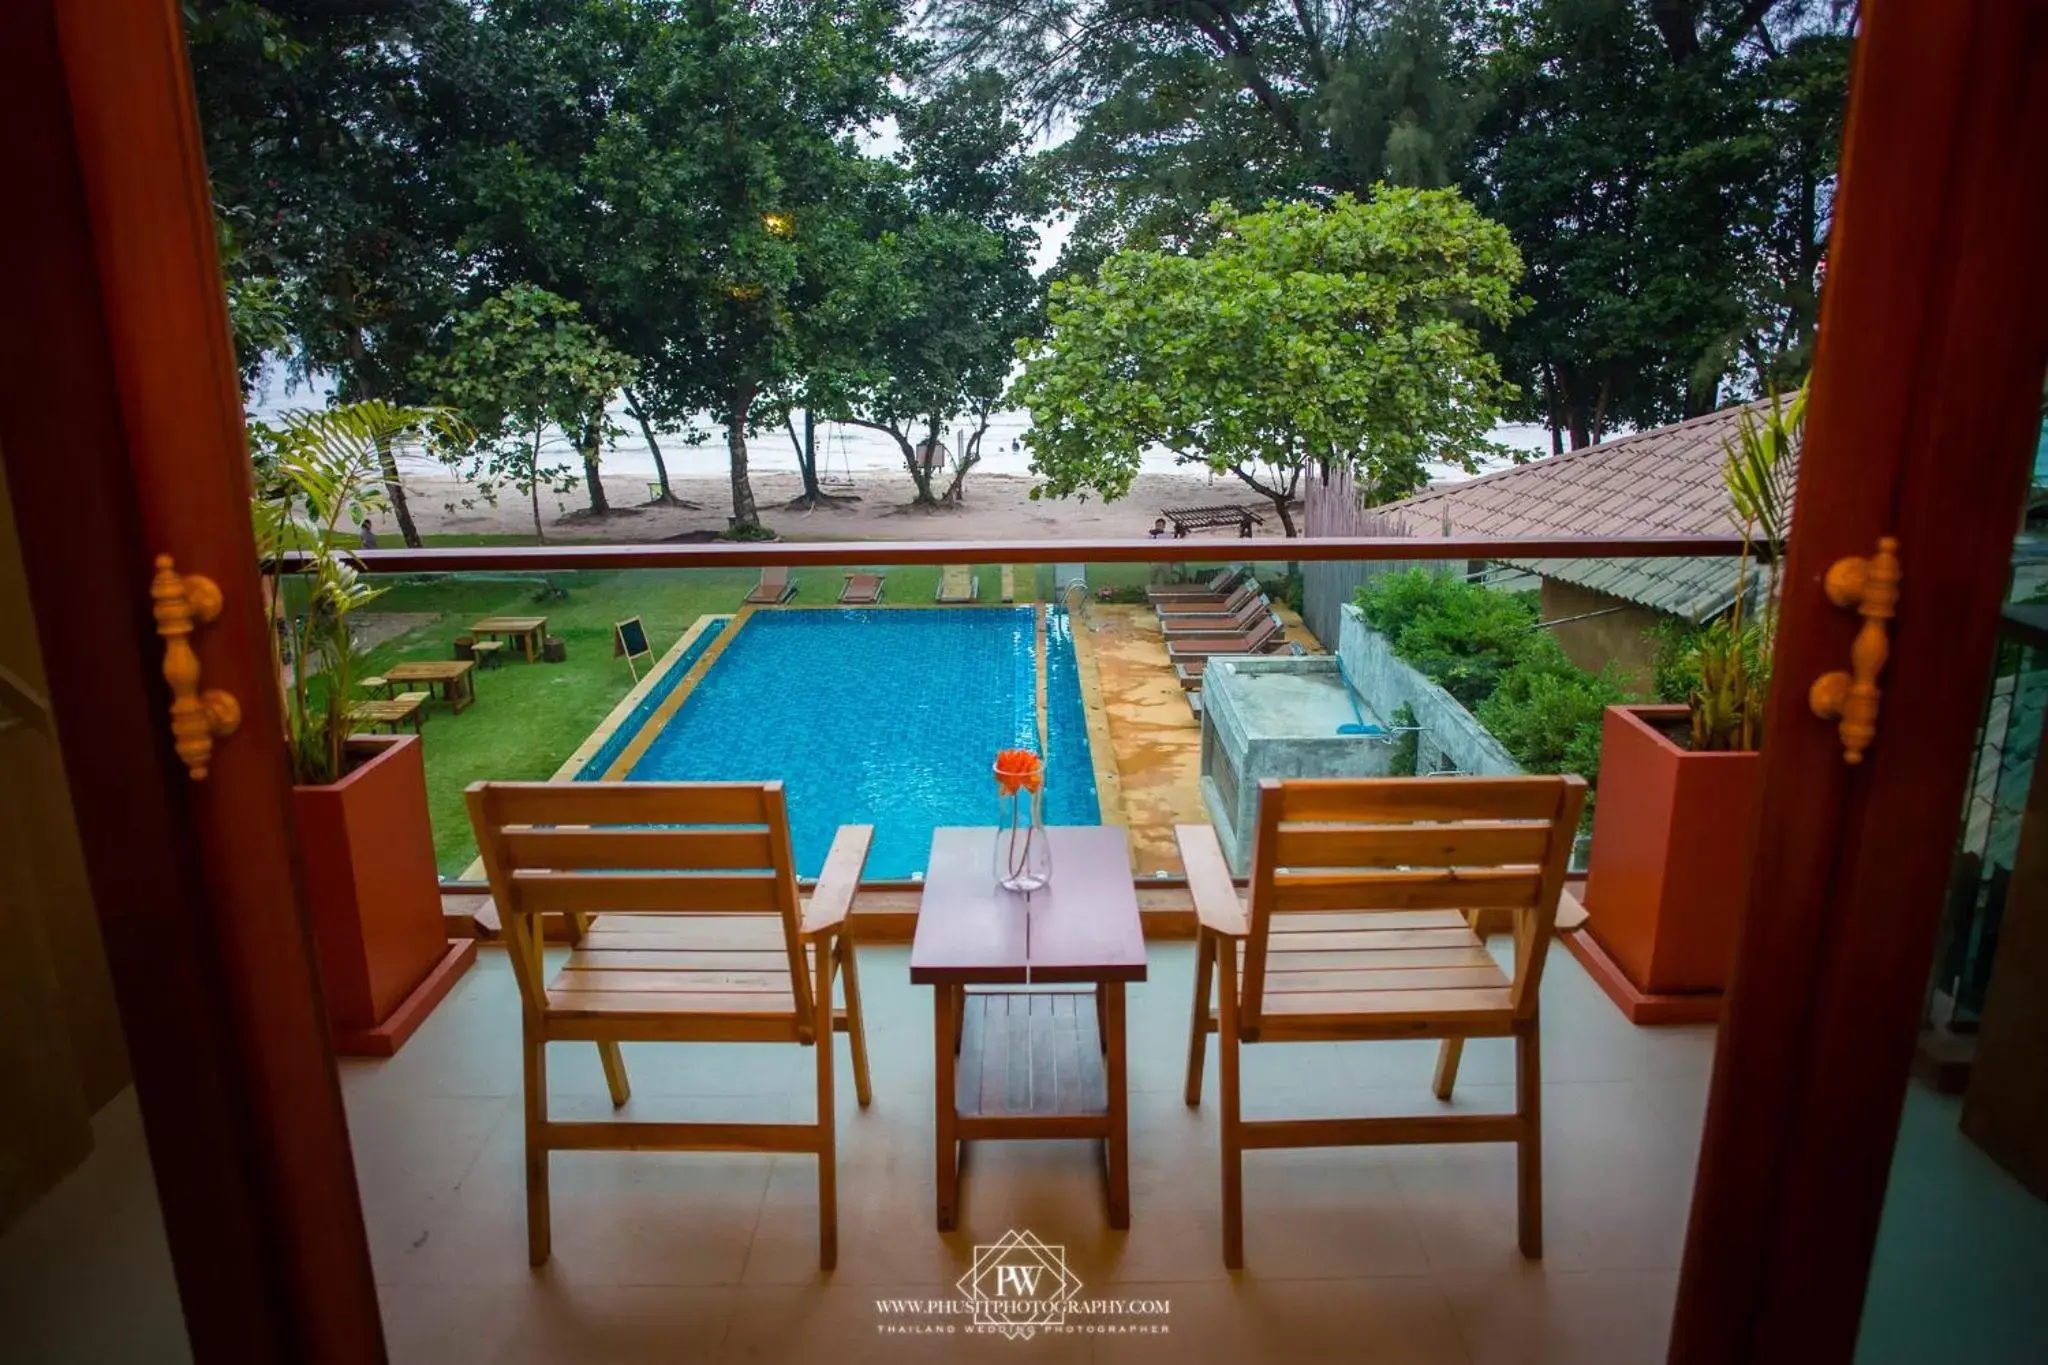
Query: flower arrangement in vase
1023, 853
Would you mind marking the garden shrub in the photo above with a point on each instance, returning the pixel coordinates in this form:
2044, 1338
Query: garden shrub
1482, 647
1407, 743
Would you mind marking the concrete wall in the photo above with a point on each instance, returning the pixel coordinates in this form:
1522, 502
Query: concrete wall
1242, 745
1619, 634
1449, 731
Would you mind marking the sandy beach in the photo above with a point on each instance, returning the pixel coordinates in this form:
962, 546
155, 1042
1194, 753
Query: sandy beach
997, 507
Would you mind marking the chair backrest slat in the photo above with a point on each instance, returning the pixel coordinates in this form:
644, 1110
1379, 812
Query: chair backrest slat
1366, 850
626, 848
636, 848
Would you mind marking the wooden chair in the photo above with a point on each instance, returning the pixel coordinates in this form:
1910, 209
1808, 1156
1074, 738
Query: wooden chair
1358, 928
704, 939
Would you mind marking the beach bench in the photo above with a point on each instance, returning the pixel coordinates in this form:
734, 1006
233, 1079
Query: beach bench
1235, 622
1212, 516
861, 590
773, 590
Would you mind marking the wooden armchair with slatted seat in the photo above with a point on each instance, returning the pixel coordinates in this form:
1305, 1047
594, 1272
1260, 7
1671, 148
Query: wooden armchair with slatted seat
701, 936
1359, 927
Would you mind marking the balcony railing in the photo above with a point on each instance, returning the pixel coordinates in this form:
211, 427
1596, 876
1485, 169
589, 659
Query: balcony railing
855, 717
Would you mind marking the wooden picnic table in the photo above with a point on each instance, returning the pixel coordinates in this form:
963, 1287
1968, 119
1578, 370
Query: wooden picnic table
1211, 516
452, 676
390, 713
1024, 1064
528, 630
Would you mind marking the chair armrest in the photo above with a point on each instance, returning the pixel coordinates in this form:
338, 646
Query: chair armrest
832, 897
1216, 902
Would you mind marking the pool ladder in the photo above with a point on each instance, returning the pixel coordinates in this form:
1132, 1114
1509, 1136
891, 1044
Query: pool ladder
1077, 591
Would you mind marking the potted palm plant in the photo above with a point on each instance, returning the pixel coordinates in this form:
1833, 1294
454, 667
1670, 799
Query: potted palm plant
359, 802
1669, 869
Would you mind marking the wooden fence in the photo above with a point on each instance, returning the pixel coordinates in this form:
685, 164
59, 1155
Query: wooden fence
1331, 510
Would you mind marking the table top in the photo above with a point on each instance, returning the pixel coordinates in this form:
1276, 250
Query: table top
1082, 927
510, 625
435, 670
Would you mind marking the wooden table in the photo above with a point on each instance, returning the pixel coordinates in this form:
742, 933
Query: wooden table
1023, 1064
452, 676
527, 630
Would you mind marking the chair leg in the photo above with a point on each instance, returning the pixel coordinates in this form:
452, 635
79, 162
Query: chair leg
1448, 1053
828, 1119
1232, 1139
538, 1230
1529, 1150
1101, 1021
1198, 1029
614, 1073
856, 1021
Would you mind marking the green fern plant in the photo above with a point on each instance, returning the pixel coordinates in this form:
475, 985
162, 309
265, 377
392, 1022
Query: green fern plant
319, 473
1730, 660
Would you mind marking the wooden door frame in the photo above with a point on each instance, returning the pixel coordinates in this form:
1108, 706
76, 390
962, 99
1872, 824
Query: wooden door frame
121, 428
1921, 421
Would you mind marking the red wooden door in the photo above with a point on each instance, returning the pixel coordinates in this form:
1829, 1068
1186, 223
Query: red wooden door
121, 428
1924, 408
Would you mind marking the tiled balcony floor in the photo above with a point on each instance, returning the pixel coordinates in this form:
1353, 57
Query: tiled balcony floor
1358, 1255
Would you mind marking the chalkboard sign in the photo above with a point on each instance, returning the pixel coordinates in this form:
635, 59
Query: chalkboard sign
629, 638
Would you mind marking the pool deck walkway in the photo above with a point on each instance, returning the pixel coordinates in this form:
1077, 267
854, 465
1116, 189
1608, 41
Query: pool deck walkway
1154, 735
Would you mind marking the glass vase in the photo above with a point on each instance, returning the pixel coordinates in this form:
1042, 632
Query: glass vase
1023, 853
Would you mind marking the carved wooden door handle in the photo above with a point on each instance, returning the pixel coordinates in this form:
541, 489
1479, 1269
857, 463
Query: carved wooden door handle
1870, 588
185, 602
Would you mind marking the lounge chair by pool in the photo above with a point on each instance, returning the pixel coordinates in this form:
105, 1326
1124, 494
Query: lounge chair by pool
773, 590
1264, 638
1217, 584
1235, 622
862, 589
956, 584
1247, 591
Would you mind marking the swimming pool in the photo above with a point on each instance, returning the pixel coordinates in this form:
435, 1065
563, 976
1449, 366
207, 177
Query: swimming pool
889, 717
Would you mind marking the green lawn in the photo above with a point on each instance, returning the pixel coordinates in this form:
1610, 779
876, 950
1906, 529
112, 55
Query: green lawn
528, 718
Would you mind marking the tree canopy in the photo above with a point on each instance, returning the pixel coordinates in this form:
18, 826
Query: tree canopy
1301, 339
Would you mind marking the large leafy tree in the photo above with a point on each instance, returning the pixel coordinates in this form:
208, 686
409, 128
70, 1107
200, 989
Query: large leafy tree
921, 321
522, 365
1304, 339
339, 226
1665, 166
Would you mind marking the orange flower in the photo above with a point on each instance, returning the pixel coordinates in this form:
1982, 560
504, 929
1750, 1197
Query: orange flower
1019, 769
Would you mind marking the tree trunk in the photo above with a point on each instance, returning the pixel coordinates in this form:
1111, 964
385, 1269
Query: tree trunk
533, 489
739, 403
957, 492
592, 483
667, 494
387, 460
806, 455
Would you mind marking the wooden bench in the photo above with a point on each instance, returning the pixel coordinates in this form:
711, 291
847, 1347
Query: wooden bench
1212, 516
391, 713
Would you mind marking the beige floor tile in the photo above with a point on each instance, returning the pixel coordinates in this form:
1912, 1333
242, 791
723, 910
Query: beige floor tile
1547, 1317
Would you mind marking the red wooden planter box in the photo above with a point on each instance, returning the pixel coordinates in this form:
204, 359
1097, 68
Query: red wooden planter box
1670, 868
375, 898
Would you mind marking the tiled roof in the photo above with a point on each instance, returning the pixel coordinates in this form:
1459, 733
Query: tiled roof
1663, 482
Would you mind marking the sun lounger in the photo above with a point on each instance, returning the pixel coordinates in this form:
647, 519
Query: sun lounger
861, 590
956, 584
1236, 622
773, 590
1265, 638
1217, 584
1247, 591
1009, 583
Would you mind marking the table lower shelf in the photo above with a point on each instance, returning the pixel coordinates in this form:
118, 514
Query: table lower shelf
1031, 1065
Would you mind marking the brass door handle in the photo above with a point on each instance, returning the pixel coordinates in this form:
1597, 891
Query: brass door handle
183, 603
1870, 588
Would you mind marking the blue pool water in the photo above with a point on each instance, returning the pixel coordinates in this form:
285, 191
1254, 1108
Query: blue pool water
888, 718
616, 744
